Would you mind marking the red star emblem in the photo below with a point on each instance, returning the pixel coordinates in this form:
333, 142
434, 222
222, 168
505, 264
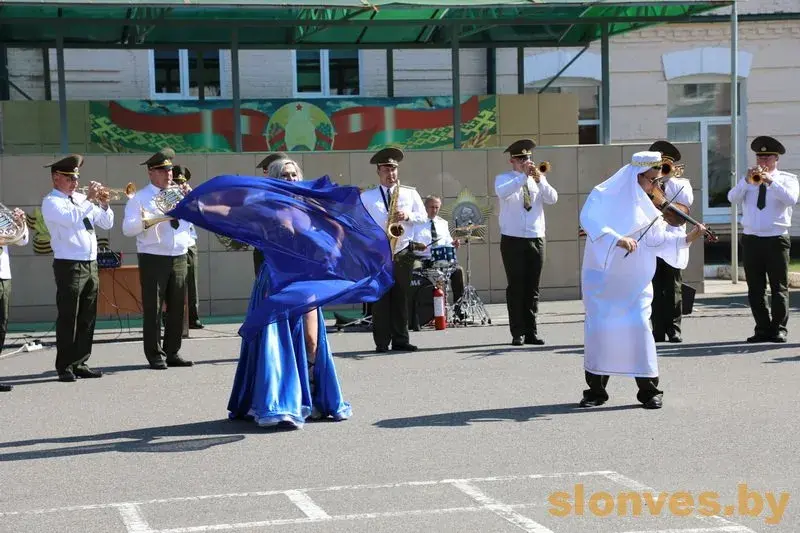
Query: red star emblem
298, 107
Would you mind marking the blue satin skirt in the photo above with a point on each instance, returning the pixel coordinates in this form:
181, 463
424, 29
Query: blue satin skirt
272, 383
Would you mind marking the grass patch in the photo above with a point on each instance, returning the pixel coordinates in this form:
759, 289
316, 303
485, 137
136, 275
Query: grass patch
794, 265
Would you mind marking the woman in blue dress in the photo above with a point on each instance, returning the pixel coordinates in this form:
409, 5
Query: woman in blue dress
286, 373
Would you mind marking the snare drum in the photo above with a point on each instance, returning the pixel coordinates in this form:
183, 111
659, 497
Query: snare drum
443, 255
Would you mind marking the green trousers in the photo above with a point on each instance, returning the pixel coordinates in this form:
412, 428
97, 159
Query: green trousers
5, 299
767, 258
77, 284
192, 267
163, 280
390, 313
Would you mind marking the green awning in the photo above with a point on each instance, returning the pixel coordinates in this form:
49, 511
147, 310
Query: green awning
338, 24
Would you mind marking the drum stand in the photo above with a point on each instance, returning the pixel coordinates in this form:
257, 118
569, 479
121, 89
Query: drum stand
470, 305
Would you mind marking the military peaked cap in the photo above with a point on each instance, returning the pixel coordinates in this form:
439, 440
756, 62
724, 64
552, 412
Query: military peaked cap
161, 159
70, 165
521, 148
764, 145
388, 156
667, 149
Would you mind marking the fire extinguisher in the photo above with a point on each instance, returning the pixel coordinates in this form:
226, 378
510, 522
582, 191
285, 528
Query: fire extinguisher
440, 320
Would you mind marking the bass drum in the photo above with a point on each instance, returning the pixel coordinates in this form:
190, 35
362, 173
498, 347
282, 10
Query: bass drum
420, 301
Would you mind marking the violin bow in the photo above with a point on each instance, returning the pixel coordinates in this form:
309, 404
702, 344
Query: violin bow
654, 221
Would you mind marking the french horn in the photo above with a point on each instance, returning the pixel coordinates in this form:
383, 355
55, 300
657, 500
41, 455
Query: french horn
165, 201
11, 230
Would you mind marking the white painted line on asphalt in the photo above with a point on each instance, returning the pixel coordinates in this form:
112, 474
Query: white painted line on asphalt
307, 505
640, 487
503, 511
317, 489
132, 519
721, 529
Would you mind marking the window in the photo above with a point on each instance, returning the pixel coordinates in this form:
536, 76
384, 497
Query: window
327, 73
588, 108
701, 112
176, 74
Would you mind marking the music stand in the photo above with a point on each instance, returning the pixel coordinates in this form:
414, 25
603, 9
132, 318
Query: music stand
470, 304
364, 321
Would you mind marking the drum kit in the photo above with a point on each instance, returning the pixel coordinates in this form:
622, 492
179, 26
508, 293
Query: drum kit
436, 272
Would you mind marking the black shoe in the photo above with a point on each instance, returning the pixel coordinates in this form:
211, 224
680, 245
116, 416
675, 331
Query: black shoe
178, 361
84, 371
758, 337
381, 349
533, 339
675, 338
403, 347
196, 325
66, 376
516, 341
778, 337
586, 402
158, 365
654, 403
5, 387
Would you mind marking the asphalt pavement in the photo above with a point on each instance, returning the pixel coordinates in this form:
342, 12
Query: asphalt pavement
468, 434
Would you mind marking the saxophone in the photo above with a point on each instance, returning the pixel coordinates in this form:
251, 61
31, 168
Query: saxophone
394, 230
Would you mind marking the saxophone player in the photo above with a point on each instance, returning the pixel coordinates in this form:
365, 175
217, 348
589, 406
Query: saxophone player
392, 203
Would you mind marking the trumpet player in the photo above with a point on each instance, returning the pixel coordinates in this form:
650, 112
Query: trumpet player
391, 203
522, 194
667, 302
20, 239
71, 218
767, 196
162, 251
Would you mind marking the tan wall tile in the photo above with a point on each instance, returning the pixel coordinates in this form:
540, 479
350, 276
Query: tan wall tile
558, 113
334, 164
595, 164
228, 307
518, 114
232, 275
464, 169
562, 265
231, 164
561, 219
559, 139
563, 175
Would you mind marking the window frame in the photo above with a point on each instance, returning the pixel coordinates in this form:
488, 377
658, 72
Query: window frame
324, 65
183, 69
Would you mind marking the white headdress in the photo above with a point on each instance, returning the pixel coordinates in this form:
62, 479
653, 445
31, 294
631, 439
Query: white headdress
619, 203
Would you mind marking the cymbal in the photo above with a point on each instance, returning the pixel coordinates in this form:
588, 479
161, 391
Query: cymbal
468, 229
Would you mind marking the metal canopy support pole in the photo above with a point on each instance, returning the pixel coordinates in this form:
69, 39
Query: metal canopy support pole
491, 70
62, 94
237, 101
520, 70
5, 85
605, 88
734, 140
456, 70
390, 73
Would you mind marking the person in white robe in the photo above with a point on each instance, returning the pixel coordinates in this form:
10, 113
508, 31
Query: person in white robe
625, 234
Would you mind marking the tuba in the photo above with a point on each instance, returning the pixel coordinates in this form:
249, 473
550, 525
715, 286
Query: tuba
165, 201
394, 230
11, 230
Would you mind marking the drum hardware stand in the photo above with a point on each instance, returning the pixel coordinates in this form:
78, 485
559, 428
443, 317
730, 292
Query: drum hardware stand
343, 322
470, 304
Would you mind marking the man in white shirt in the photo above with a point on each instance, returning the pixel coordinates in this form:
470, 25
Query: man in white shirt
162, 250
522, 194
71, 219
767, 203
667, 282
390, 313
5, 283
181, 175
437, 229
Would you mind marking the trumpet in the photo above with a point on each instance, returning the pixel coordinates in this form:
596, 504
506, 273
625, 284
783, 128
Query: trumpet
756, 175
107, 194
165, 201
542, 168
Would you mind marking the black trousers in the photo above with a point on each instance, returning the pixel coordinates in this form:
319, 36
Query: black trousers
523, 260
163, 280
77, 284
767, 258
667, 301
648, 388
390, 313
5, 300
191, 284
258, 260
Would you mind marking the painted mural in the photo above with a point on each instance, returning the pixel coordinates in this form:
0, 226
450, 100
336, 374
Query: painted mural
417, 123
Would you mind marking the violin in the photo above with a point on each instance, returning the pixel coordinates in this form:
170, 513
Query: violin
676, 214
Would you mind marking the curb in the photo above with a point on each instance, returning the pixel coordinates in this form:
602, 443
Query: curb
724, 272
